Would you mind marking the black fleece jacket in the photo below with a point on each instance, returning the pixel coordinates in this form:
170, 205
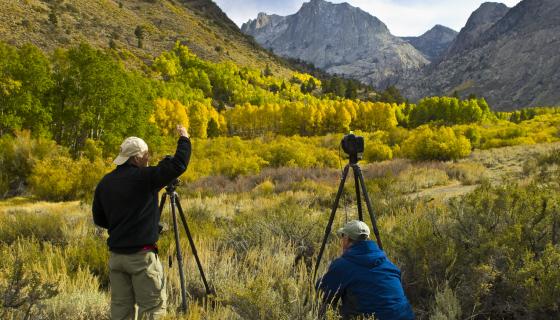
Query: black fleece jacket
126, 200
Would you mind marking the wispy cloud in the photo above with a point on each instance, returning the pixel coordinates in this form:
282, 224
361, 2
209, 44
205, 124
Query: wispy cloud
403, 17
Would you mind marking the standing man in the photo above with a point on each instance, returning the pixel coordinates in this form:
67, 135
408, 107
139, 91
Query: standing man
364, 278
126, 203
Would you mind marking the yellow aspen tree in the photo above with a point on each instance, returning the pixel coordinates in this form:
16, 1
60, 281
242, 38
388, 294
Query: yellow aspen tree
168, 114
198, 116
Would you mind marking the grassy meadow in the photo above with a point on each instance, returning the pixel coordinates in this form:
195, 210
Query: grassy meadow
477, 238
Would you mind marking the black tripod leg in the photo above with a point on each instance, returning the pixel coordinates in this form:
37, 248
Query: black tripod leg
179, 255
331, 219
358, 197
162, 202
193, 247
357, 169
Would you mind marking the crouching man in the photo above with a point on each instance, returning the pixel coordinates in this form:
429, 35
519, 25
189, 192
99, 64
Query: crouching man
364, 279
126, 203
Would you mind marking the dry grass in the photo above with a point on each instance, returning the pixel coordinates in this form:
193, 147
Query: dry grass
507, 163
249, 234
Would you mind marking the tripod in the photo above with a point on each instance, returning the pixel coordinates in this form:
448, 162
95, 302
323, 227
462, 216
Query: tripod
359, 182
176, 204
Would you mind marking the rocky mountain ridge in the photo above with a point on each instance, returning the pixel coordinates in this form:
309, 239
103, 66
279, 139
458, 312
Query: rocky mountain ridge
338, 38
514, 63
480, 21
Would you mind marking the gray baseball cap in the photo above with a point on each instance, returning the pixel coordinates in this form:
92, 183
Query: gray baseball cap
355, 230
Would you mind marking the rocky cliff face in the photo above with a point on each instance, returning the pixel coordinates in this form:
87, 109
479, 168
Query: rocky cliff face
434, 43
339, 39
514, 62
480, 20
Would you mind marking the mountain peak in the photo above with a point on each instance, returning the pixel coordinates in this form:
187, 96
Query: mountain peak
487, 12
482, 19
439, 27
434, 42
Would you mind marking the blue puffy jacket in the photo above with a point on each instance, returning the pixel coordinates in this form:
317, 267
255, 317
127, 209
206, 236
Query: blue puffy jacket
368, 283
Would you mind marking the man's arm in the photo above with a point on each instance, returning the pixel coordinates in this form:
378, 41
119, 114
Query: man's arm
99, 217
168, 170
331, 284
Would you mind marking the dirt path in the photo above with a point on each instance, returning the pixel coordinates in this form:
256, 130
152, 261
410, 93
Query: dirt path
444, 192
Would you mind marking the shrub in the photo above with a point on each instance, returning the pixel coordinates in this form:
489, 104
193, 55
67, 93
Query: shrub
540, 277
447, 305
266, 187
54, 179
60, 178
377, 152
467, 173
18, 156
436, 144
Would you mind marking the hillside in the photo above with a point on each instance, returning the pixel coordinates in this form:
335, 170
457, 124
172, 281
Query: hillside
158, 24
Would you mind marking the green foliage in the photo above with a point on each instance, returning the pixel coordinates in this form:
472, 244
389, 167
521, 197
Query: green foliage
391, 95
447, 305
540, 277
96, 98
449, 111
25, 82
140, 33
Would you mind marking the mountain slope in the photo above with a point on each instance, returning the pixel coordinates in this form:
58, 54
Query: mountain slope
434, 43
514, 63
339, 39
200, 24
480, 20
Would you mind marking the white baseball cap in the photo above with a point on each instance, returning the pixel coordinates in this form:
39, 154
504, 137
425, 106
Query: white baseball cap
132, 146
355, 230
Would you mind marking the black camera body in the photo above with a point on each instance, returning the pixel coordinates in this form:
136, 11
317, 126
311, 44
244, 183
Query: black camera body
353, 145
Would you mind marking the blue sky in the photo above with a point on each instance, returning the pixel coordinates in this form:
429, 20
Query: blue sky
403, 17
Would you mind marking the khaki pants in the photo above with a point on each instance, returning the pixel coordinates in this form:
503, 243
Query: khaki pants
137, 279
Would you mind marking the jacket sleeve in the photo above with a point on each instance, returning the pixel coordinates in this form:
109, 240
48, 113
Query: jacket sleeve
99, 217
331, 284
167, 170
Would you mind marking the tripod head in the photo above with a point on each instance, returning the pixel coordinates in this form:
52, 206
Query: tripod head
172, 186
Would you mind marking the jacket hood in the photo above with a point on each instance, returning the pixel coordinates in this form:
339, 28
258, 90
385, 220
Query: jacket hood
365, 253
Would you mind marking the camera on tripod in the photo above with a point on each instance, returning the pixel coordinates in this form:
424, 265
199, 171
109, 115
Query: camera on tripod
353, 145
